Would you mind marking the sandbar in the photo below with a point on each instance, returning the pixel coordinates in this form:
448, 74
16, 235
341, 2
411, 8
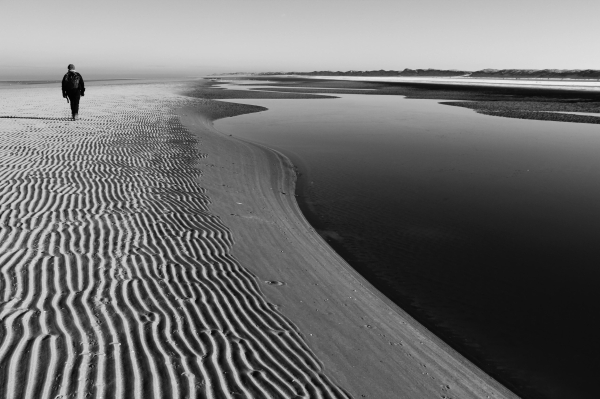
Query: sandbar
144, 254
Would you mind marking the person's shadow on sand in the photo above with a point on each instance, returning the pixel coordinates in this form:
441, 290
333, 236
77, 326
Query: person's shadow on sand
35, 117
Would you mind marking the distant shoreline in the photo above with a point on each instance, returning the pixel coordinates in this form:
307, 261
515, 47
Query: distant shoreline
520, 101
525, 83
558, 74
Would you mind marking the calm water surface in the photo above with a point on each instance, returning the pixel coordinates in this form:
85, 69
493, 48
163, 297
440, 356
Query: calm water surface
483, 228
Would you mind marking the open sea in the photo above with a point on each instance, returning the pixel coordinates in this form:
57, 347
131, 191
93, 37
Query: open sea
485, 229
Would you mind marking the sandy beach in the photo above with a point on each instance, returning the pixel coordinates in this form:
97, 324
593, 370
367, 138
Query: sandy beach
143, 254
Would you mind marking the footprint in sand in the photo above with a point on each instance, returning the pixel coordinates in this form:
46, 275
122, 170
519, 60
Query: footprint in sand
273, 282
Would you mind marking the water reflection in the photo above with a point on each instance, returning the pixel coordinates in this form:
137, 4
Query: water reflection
484, 228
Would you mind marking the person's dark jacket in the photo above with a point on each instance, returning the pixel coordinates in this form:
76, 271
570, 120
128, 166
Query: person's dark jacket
65, 83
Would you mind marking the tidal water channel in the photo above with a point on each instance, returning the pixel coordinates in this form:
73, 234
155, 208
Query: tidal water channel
485, 229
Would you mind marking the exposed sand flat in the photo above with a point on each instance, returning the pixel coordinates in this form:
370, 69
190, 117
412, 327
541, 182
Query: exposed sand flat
578, 85
116, 279
144, 255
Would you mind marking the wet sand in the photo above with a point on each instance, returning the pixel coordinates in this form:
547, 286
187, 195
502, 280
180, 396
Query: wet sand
521, 102
143, 254
591, 85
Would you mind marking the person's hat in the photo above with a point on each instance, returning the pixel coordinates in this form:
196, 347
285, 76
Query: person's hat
71, 66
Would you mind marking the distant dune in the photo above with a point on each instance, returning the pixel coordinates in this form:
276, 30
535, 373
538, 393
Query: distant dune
538, 73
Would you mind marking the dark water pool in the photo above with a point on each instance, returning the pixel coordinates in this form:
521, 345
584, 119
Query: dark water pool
485, 229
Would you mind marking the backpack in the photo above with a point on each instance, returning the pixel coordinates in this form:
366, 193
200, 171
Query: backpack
73, 81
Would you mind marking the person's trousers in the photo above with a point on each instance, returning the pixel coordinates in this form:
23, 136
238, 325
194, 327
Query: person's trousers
74, 97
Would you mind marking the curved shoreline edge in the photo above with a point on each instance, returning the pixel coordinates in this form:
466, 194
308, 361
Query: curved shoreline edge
367, 344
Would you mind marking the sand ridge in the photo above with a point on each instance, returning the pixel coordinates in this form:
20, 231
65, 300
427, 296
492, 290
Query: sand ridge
369, 345
116, 278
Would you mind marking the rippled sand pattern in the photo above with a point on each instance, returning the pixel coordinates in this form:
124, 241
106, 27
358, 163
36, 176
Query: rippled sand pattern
116, 281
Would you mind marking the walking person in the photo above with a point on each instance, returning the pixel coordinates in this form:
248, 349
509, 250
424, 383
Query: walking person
73, 88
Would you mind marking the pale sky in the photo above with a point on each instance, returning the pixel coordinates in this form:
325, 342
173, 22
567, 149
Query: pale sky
131, 38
